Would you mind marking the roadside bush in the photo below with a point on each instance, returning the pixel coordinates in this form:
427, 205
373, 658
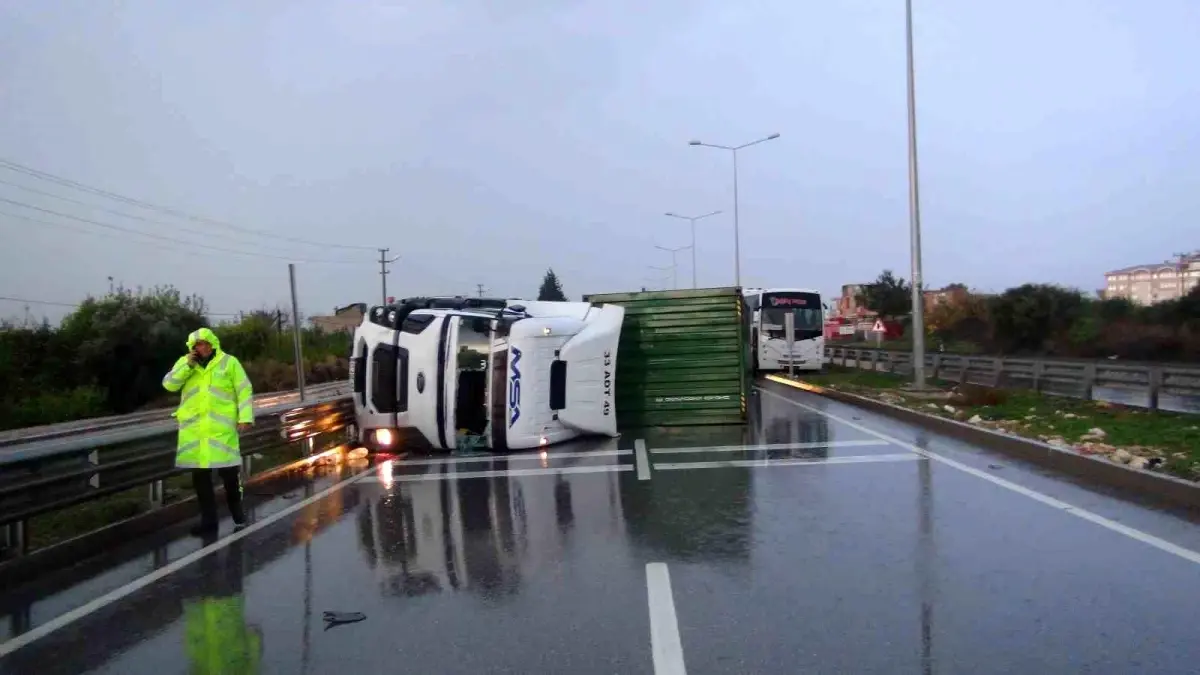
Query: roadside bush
110, 354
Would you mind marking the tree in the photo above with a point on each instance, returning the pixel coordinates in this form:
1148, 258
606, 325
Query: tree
125, 341
1037, 318
551, 288
887, 296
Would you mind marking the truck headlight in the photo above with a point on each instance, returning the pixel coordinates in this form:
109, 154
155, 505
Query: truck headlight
384, 437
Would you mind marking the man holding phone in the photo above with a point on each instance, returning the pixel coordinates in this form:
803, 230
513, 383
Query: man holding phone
216, 403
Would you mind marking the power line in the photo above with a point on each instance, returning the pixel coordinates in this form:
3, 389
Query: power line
67, 182
77, 304
152, 235
97, 207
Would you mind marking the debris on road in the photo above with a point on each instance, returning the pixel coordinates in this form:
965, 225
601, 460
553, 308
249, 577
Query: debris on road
338, 618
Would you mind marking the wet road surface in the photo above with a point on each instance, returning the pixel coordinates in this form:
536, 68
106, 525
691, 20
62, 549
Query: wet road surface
820, 538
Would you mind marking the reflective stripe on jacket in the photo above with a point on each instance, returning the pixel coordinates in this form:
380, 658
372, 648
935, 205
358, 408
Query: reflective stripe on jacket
214, 399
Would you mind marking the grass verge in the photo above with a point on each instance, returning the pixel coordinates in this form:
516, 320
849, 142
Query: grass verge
1124, 434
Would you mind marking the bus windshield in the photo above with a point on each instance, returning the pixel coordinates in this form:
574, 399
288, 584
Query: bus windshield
805, 307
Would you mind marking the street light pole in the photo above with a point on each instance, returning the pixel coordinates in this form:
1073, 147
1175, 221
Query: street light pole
914, 213
674, 262
692, 220
737, 239
662, 279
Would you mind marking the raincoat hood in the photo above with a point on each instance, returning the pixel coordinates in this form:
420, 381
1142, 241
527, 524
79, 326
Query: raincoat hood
206, 335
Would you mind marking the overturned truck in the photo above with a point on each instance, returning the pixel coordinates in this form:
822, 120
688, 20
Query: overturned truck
514, 374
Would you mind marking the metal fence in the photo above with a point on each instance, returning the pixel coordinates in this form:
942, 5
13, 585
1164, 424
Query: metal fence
76, 427
1173, 387
53, 474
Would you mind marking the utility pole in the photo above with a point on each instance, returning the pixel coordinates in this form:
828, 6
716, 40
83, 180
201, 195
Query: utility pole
384, 261
297, 346
480, 289
914, 214
1181, 271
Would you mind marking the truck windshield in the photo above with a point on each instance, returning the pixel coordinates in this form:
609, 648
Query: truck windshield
470, 410
805, 307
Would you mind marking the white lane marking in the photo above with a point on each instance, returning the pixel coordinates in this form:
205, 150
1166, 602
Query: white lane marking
643, 462
769, 446
437, 461
103, 601
1138, 535
665, 644
789, 461
549, 471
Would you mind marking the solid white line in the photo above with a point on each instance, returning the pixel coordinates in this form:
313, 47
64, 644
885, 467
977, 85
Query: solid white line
438, 461
103, 601
549, 471
643, 462
1144, 537
665, 644
788, 461
769, 446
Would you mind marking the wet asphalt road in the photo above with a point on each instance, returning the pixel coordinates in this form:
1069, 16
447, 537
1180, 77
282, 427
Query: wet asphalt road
845, 552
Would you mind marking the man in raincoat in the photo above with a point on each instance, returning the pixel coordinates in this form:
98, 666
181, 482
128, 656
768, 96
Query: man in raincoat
216, 402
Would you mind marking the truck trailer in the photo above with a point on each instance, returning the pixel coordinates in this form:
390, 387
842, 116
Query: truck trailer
509, 374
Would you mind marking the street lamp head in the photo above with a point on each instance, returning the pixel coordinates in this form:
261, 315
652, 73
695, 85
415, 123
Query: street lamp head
694, 142
673, 215
772, 137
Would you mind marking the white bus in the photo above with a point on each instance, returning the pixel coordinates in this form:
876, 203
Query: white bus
768, 307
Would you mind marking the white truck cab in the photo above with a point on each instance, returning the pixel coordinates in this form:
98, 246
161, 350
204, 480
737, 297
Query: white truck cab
507, 374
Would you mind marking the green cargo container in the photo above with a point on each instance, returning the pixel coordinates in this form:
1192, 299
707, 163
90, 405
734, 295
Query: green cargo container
683, 357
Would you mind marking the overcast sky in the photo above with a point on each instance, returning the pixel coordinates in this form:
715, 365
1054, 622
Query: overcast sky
1057, 140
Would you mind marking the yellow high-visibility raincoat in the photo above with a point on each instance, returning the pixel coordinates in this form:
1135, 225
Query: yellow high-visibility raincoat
215, 399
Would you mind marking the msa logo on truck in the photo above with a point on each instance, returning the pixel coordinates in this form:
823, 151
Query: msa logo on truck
514, 387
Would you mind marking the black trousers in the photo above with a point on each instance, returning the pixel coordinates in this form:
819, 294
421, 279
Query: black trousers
202, 481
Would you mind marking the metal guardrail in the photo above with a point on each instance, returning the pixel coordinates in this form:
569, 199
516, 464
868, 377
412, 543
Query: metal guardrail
51, 475
85, 426
1063, 377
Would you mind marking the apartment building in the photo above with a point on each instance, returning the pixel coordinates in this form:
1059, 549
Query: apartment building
343, 320
1158, 282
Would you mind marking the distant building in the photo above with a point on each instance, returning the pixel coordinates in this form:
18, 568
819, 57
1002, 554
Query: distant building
1154, 283
344, 319
848, 306
952, 294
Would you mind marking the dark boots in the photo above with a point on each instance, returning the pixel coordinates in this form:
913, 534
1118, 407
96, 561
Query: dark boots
206, 498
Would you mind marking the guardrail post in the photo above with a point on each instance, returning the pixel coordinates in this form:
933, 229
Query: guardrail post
937, 367
157, 494
997, 372
309, 446
875, 361
247, 467
1089, 381
1038, 368
845, 356
15, 540
1155, 377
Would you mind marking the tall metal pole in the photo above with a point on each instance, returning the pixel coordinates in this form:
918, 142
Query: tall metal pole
674, 262
737, 239
297, 346
914, 214
694, 253
737, 235
383, 272
692, 220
